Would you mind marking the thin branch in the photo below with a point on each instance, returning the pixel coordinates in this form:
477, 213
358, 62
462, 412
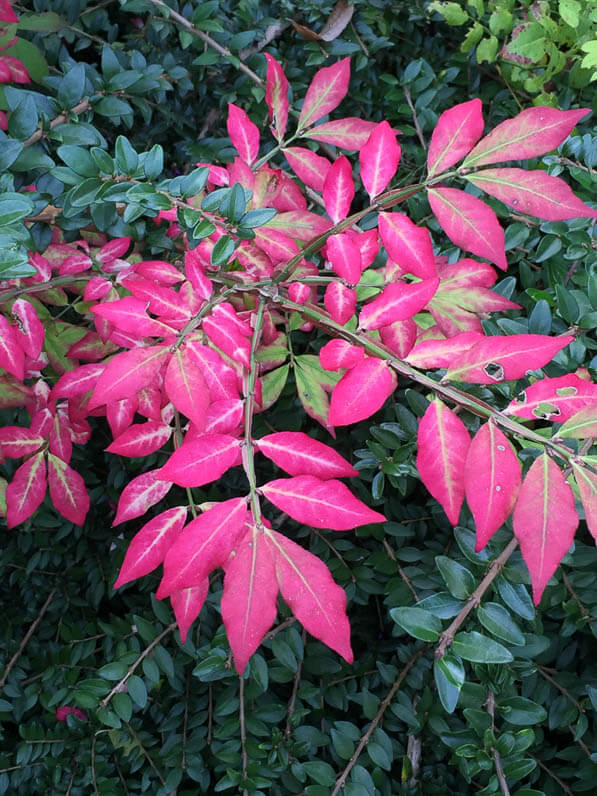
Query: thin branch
282, 626
567, 583
543, 672
409, 101
341, 781
145, 752
25, 641
497, 759
243, 730
549, 772
401, 572
295, 686
494, 569
80, 107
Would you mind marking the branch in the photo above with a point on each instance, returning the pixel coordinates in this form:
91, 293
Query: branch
80, 107
26, 638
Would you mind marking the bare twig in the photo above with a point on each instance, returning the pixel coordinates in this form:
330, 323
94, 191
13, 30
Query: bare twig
80, 107
499, 768
401, 572
567, 583
409, 101
282, 626
543, 672
295, 686
145, 753
549, 772
25, 641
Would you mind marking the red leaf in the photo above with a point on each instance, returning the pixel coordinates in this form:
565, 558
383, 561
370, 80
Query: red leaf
61, 443
159, 271
160, 300
276, 245
492, 477
299, 224
204, 545
249, 599
348, 133
26, 491
276, 96
129, 315
186, 388
340, 301
326, 91
141, 439
120, 415
532, 192
379, 159
531, 133
397, 302
367, 243
141, 494
311, 593
16, 442
202, 460
338, 189
187, 605
407, 244
320, 504
345, 257
399, 336
113, 250
581, 425
337, 354
556, 399
129, 372
299, 454
495, 359
148, 548
225, 336
469, 223
545, 521
243, 133
224, 417
312, 169
12, 356
361, 392
587, 487
77, 381
221, 379
441, 353
442, 447
67, 490
30, 330
457, 131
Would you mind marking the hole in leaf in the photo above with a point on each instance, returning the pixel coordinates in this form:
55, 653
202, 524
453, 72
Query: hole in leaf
545, 411
494, 370
521, 398
501, 447
566, 391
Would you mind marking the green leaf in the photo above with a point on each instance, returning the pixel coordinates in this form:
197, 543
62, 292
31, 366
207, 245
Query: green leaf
113, 671
459, 581
234, 203
123, 706
487, 50
125, 156
84, 194
517, 598
256, 218
112, 106
320, 772
14, 207
72, 86
522, 711
153, 164
223, 250
22, 122
47, 22
448, 673
478, 648
417, 622
137, 690
78, 159
453, 13
27, 53
496, 619
9, 152
193, 183
570, 12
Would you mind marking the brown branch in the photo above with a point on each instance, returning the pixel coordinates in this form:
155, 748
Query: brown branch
282, 626
494, 569
80, 107
295, 686
555, 777
543, 672
25, 641
409, 101
497, 759
340, 782
401, 572
567, 583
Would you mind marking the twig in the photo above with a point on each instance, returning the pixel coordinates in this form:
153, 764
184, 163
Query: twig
494, 569
145, 752
542, 671
282, 626
80, 107
499, 768
26, 638
295, 686
118, 687
340, 782
243, 730
409, 101
555, 777
401, 572
586, 614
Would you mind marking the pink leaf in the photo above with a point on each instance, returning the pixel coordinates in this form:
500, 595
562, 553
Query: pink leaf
326, 91
113, 250
203, 545
457, 131
141, 439
202, 460
320, 504
399, 336
221, 379
225, 336
312, 169
160, 300
492, 478
407, 244
67, 490
495, 359
545, 521
397, 302
129, 315
367, 243
379, 159
120, 415
581, 425
340, 301
61, 443
531, 133
361, 392
187, 605
30, 330
345, 257
12, 356
64, 711
469, 223
312, 595
587, 486
442, 447
556, 399
26, 491
159, 271
348, 133
276, 96
77, 381
148, 547
299, 224
141, 494
442, 353
243, 133
337, 354
129, 372
16, 442
224, 417
532, 192
249, 599
299, 454
186, 387
338, 189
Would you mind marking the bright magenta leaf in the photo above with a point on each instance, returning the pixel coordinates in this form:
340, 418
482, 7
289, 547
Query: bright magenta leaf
276, 97
345, 257
141, 439
457, 131
492, 477
399, 336
469, 223
187, 605
67, 490
312, 595
160, 300
581, 425
336, 354
397, 302
299, 224
556, 399
495, 359
26, 491
338, 189
141, 494
340, 301
226, 336
128, 372
348, 133
442, 447
320, 504
379, 159
326, 91
300, 454
186, 387
545, 521
587, 486
407, 244
221, 379
12, 356
202, 460
243, 133
16, 442
312, 169
77, 381
361, 392
61, 443
30, 330
129, 315
442, 353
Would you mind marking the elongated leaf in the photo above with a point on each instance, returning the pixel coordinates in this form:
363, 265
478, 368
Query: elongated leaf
224, 417
311, 391
407, 244
532, 192
554, 399
399, 336
345, 257
16, 442
442, 448
141, 439
582, 425
311, 593
77, 381
299, 454
337, 354
30, 330
326, 91
320, 504
61, 444
442, 353
348, 133
129, 372
361, 392
492, 477
469, 223
379, 159
186, 387
587, 486
243, 133
202, 460
299, 224
221, 379
187, 605
545, 521
225, 336
338, 189
120, 415
129, 315
26, 491
67, 490
249, 597
496, 359
531, 133
340, 301
276, 96
204, 545
160, 300
141, 494
457, 131
12, 356
312, 169
149, 546
397, 302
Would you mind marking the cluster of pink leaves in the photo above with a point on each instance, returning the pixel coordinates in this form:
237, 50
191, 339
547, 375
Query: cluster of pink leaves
185, 348
12, 70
